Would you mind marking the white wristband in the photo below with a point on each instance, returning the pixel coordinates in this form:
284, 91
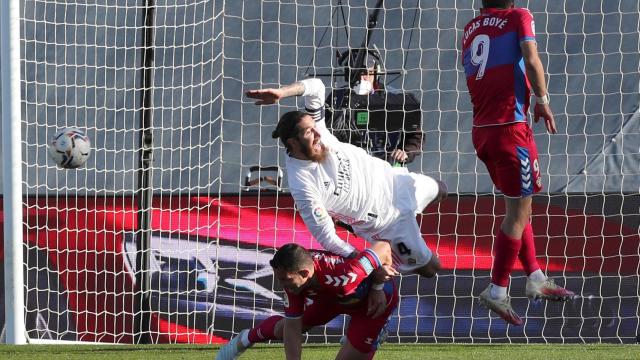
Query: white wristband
377, 286
543, 100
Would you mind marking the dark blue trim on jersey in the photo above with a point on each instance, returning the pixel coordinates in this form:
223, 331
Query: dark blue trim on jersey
503, 50
316, 114
526, 175
528, 38
520, 90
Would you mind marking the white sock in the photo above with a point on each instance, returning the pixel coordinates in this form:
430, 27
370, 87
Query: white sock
244, 339
537, 275
498, 292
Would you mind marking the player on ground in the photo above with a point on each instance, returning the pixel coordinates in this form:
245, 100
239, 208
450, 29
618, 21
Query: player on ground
335, 285
501, 63
329, 178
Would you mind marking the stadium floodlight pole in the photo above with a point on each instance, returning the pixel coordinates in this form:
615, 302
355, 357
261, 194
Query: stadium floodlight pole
144, 192
12, 172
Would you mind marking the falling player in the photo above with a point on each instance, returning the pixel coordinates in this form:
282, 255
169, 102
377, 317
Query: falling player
331, 179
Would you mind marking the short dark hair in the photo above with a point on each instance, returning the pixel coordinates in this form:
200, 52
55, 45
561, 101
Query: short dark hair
496, 3
288, 127
290, 258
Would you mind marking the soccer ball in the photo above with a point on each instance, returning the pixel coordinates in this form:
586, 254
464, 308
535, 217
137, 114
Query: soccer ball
70, 148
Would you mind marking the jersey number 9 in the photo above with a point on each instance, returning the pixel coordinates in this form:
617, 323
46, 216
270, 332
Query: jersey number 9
480, 53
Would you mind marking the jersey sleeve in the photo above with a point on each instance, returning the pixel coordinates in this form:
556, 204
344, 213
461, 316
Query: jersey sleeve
526, 26
317, 219
314, 96
293, 305
346, 277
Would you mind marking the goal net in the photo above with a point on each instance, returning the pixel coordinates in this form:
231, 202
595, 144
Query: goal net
218, 212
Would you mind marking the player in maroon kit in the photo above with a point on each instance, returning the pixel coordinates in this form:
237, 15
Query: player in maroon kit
502, 65
334, 285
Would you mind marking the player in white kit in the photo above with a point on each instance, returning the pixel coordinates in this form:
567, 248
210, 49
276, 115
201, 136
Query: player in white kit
328, 178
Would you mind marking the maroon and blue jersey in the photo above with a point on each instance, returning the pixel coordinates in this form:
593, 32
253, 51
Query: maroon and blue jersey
494, 66
343, 282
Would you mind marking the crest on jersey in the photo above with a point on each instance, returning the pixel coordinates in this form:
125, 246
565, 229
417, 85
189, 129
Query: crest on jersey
285, 300
533, 27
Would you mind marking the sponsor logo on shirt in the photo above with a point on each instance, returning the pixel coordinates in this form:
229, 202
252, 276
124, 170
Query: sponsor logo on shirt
533, 27
344, 175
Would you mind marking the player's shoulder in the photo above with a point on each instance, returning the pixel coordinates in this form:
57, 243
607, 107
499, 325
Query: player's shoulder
300, 172
521, 13
314, 87
475, 19
324, 259
327, 263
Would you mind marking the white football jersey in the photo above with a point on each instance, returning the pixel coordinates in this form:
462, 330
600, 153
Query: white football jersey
349, 185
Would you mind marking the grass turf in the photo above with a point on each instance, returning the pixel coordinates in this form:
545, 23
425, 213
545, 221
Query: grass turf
264, 352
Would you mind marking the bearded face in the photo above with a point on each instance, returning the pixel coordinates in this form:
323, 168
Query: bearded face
315, 152
307, 141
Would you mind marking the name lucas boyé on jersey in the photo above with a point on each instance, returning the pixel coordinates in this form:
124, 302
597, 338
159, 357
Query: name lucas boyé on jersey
488, 21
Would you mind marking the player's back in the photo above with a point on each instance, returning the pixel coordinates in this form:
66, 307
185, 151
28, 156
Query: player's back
494, 66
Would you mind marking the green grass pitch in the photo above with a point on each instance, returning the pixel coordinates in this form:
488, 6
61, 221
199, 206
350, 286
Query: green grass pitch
268, 352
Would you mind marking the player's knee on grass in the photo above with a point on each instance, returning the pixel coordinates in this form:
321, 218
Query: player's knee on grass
350, 352
431, 269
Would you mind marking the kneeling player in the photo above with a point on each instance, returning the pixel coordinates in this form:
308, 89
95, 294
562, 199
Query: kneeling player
335, 285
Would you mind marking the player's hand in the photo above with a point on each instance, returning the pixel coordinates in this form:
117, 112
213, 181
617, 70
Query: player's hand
265, 96
384, 273
376, 303
544, 112
398, 155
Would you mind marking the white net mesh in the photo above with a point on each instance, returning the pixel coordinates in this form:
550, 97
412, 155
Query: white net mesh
82, 67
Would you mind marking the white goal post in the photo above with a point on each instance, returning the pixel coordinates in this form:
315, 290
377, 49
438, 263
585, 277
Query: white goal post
11, 172
220, 203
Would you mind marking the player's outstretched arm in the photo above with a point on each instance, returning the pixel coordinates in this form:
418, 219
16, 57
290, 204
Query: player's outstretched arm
535, 74
270, 96
292, 338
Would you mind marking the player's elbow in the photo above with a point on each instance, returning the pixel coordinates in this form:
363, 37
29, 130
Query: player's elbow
532, 62
314, 86
443, 191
